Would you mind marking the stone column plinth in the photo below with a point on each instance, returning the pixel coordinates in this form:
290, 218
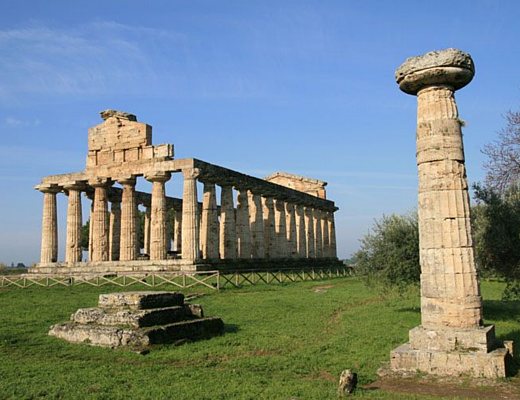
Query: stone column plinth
451, 339
256, 222
100, 229
128, 233
309, 232
158, 215
209, 230
73, 250
228, 238
115, 229
301, 240
49, 246
190, 217
290, 215
242, 225
270, 241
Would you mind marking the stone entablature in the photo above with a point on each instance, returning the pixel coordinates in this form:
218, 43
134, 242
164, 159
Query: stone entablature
255, 218
314, 187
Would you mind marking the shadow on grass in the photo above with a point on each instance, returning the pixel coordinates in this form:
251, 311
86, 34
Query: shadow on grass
410, 309
501, 310
231, 328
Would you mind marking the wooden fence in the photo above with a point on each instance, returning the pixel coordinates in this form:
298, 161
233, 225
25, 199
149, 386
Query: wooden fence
214, 280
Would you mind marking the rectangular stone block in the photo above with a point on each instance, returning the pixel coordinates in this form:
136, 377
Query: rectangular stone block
447, 261
140, 300
163, 150
444, 339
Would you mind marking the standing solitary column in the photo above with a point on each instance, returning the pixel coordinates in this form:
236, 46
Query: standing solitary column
309, 232
190, 217
209, 226
290, 214
228, 238
74, 222
256, 222
158, 215
115, 228
301, 241
128, 234
243, 228
49, 249
451, 339
100, 245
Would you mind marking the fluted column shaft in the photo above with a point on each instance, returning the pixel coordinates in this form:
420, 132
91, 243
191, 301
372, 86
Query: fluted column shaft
49, 244
309, 232
100, 227
301, 240
290, 214
256, 222
242, 225
115, 229
190, 217
228, 239
128, 234
158, 216
269, 228
318, 241
450, 293
332, 235
325, 234
209, 230
280, 228
73, 250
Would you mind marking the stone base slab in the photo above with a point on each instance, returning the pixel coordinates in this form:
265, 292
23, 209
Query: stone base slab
453, 339
113, 336
477, 364
140, 300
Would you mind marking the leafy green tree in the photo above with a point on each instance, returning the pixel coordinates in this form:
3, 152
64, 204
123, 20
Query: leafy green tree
496, 232
85, 229
390, 251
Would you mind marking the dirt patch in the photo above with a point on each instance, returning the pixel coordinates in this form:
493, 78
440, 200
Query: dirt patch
449, 388
321, 289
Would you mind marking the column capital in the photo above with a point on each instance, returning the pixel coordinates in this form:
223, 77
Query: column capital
191, 173
48, 188
126, 180
158, 176
79, 186
100, 182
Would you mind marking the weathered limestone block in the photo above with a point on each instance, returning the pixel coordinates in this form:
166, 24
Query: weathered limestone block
209, 229
49, 248
190, 216
158, 232
74, 223
100, 229
138, 320
128, 232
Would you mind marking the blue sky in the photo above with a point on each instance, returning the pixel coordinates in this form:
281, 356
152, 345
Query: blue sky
257, 86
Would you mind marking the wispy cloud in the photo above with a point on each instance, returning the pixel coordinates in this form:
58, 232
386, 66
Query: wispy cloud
13, 122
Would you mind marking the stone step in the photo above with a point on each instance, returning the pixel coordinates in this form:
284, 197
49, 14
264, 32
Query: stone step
140, 300
137, 318
199, 328
111, 336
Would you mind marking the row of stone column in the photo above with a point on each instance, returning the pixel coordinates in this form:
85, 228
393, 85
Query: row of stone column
259, 226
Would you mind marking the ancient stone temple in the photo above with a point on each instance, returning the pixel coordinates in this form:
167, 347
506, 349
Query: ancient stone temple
451, 339
255, 222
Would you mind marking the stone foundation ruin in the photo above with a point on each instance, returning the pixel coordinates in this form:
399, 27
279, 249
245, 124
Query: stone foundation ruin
138, 320
258, 223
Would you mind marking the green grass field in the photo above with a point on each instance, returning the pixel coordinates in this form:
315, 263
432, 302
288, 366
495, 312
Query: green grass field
282, 342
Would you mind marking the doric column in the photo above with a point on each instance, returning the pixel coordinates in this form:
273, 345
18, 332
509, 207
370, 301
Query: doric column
158, 215
318, 242
452, 339
49, 249
115, 229
190, 217
256, 222
290, 213
177, 230
309, 232
301, 239
269, 228
90, 225
73, 250
280, 228
209, 236
100, 241
325, 234
146, 228
228, 238
128, 234
242, 225
332, 235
